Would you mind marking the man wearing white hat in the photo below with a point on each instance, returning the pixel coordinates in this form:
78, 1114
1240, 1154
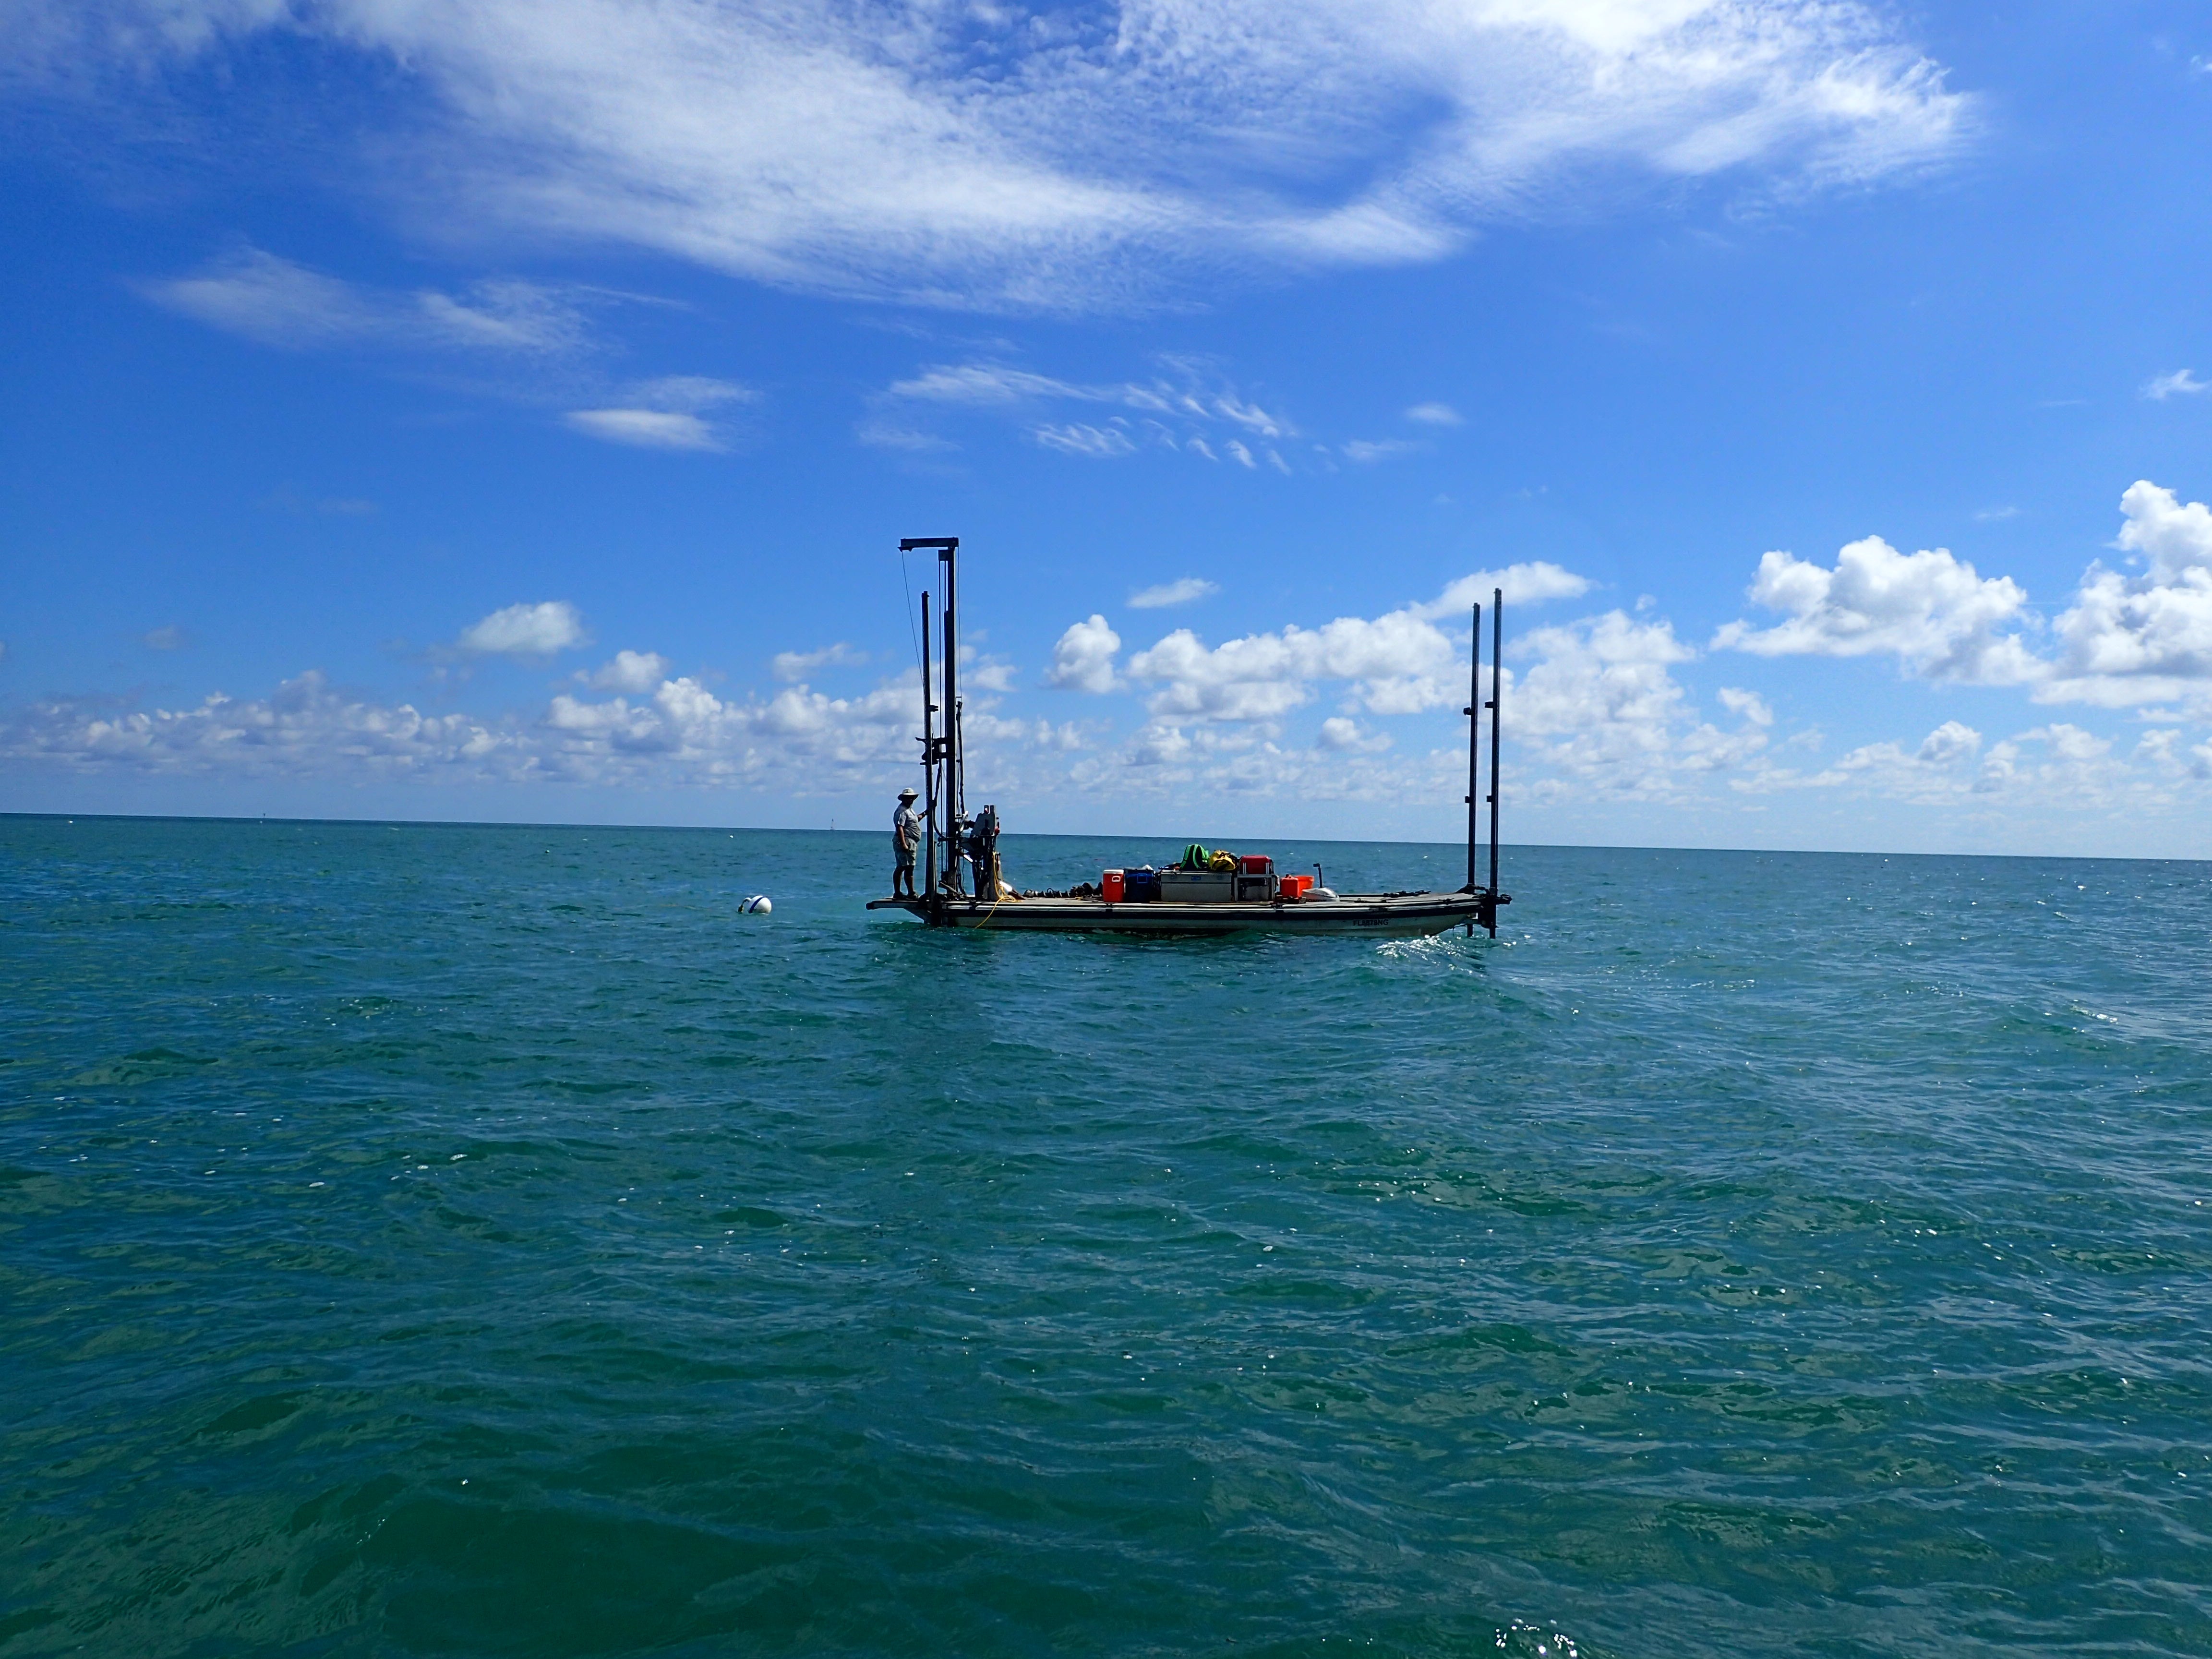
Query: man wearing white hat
906, 835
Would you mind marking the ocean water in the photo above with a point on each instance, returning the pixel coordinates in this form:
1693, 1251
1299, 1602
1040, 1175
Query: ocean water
484, 1241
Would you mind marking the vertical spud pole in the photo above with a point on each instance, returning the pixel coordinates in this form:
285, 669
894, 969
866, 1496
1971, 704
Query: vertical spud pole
1497, 694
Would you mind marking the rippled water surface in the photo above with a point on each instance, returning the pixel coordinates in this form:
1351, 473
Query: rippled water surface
421, 1240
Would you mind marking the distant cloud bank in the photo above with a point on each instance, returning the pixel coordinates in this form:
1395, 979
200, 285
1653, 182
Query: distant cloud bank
1598, 705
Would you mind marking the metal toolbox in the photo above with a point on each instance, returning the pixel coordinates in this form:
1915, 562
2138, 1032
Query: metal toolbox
1197, 887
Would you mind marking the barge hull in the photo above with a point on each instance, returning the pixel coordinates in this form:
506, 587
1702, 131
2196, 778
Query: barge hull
1398, 915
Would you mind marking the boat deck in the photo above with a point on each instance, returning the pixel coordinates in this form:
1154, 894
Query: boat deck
1385, 916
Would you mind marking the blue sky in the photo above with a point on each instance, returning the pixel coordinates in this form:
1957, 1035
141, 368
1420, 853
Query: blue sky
505, 411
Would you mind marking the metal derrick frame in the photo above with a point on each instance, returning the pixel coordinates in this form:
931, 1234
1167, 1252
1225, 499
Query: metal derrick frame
943, 764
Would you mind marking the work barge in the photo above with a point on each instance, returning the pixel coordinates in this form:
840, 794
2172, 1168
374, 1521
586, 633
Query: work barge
962, 884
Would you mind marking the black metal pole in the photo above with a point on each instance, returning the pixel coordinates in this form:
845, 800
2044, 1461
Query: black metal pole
1497, 693
947, 555
1474, 745
928, 771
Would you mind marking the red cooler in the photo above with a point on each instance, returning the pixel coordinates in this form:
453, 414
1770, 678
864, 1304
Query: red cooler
1256, 864
1113, 887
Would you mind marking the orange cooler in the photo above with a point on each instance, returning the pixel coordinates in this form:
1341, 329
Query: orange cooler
1294, 887
1113, 887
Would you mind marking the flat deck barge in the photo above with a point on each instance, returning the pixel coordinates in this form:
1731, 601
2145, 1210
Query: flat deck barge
962, 884
1378, 915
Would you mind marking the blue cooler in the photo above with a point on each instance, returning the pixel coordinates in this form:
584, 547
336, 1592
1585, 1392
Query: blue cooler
1141, 885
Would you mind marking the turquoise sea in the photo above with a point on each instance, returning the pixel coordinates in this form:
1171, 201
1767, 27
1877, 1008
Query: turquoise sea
422, 1240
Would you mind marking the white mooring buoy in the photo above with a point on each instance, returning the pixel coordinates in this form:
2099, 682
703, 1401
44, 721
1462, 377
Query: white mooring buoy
755, 905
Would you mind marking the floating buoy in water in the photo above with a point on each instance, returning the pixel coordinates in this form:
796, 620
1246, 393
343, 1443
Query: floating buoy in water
755, 905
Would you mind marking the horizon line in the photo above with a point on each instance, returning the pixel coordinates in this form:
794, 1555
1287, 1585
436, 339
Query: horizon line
786, 829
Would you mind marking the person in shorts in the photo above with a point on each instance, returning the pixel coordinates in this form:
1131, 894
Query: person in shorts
906, 836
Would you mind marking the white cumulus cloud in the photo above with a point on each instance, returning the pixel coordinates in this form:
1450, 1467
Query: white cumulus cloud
678, 733
307, 727
1929, 610
1398, 661
1083, 659
2135, 639
1396, 664
1340, 734
527, 630
1748, 705
1601, 711
1939, 769
629, 670
1531, 583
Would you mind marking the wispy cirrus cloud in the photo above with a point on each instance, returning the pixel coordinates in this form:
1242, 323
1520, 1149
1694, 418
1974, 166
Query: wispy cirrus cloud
993, 386
668, 413
1187, 411
1366, 452
1081, 438
974, 155
2179, 383
537, 335
797, 665
644, 428
1186, 590
275, 302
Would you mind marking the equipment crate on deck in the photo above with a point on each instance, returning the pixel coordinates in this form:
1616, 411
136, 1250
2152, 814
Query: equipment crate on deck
1198, 886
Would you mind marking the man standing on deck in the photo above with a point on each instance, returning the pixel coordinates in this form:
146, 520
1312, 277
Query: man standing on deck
906, 835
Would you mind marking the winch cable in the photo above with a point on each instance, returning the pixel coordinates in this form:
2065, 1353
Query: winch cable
906, 582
